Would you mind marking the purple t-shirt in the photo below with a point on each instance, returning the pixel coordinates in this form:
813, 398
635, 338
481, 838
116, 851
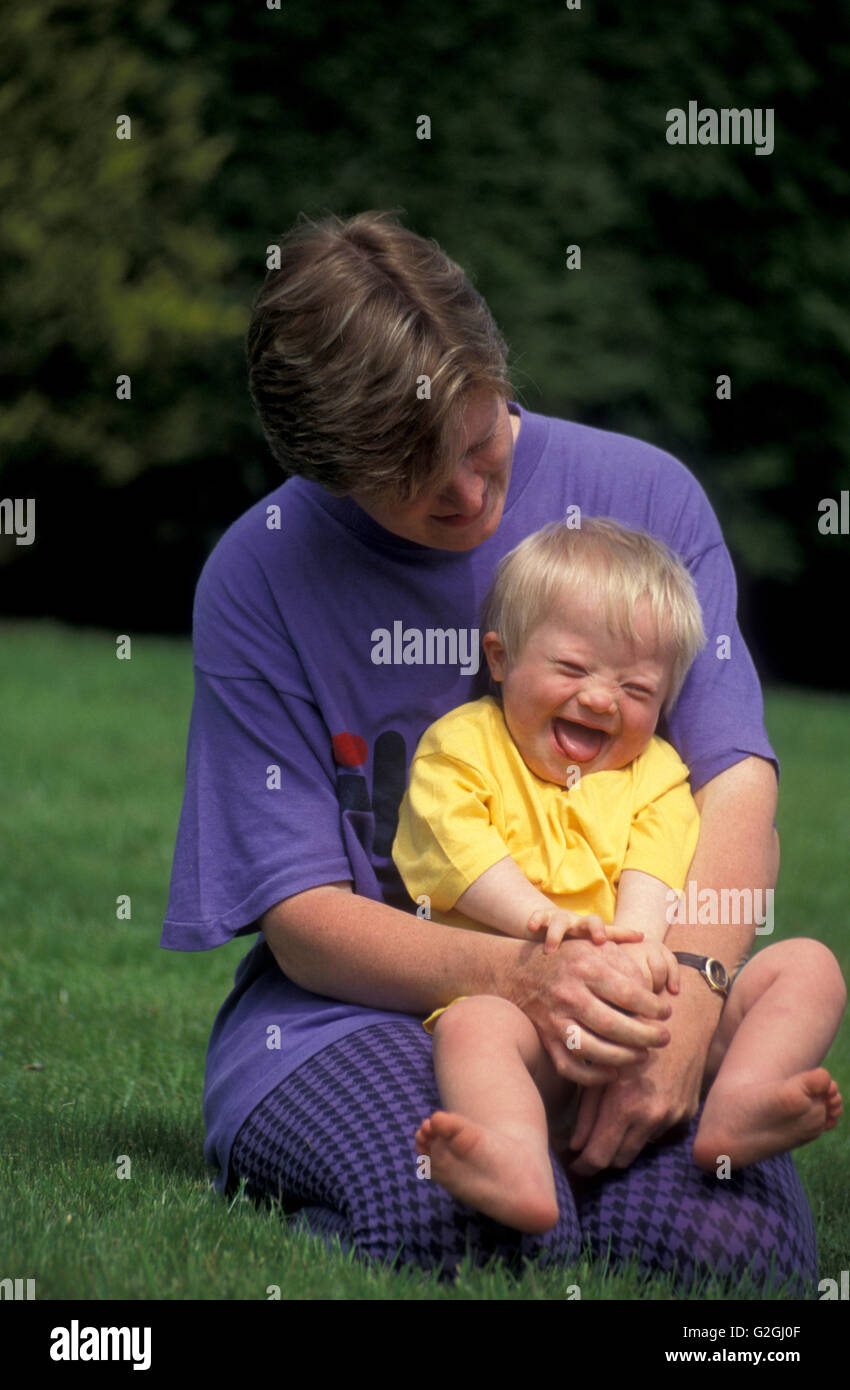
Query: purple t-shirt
324, 647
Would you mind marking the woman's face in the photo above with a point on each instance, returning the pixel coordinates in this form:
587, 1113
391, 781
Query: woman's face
468, 509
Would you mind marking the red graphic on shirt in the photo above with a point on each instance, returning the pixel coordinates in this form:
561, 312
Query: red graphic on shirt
350, 750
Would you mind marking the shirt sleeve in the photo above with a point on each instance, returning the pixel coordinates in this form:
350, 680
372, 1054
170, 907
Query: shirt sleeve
719, 717
446, 837
260, 819
663, 836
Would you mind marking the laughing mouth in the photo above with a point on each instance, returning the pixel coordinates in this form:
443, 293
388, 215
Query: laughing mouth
580, 742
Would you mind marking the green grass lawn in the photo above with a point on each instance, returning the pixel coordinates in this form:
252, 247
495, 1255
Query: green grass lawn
104, 1035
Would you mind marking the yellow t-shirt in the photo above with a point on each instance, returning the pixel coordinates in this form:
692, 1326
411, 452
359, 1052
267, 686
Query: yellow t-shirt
471, 801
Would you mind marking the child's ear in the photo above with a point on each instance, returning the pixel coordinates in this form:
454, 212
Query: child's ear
495, 654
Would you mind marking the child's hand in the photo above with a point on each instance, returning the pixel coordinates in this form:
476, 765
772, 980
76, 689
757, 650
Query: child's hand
558, 923
657, 963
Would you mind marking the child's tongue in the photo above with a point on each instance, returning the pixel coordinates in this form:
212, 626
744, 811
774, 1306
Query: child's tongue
577, 741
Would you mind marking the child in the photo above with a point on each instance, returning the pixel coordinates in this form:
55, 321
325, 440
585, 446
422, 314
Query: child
557, 807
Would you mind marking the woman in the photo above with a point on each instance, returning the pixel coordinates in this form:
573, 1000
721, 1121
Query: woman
334, 622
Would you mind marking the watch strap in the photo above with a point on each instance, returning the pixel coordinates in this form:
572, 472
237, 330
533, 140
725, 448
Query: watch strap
703, 964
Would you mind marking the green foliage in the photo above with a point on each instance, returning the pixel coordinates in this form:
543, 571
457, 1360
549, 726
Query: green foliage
548, 129
115, 264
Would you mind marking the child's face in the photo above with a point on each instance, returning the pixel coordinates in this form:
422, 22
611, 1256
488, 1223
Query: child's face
578, 696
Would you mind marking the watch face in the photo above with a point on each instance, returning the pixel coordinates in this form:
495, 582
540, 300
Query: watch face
717, 973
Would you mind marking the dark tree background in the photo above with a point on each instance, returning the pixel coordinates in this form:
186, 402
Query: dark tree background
142, 256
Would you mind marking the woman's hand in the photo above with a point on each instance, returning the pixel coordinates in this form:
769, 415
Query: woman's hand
647, 1099
591, 1008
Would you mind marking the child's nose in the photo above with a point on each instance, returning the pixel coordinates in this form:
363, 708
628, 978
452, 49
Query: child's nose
599, 698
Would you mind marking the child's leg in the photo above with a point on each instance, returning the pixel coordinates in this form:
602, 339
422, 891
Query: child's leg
490, 1146
769, 1094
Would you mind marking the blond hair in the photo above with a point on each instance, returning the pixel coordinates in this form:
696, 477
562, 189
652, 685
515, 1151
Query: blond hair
613, 567
339, 341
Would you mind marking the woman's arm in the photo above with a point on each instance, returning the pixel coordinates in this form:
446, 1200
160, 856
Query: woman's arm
332, 941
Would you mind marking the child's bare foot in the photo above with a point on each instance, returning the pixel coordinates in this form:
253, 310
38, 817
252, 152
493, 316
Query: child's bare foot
753, 1122
503, 1177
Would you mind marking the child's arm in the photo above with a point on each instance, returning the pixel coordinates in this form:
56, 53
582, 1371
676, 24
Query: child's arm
503, 898
662, 840
642, 904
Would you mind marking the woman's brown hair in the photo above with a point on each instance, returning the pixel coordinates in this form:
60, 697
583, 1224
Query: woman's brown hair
361, 350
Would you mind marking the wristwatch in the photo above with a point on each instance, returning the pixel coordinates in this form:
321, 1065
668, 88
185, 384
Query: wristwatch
713, 971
